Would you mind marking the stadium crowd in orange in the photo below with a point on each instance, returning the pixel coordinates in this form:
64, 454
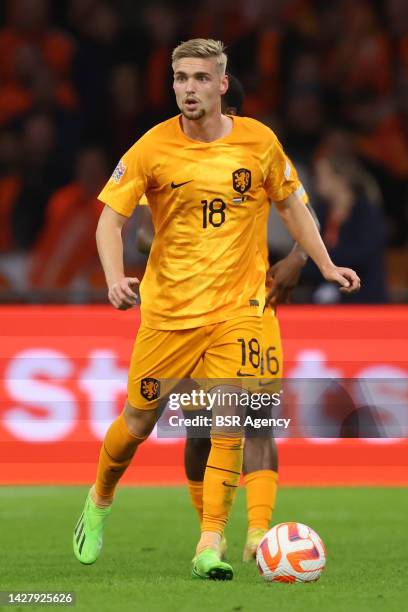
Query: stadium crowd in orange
80, 81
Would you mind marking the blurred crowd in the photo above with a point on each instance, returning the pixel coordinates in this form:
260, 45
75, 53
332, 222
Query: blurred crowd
81, 80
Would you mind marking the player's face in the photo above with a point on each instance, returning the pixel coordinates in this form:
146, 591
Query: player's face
198, 86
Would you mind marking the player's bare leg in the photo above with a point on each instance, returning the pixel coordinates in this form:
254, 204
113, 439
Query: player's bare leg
123, 437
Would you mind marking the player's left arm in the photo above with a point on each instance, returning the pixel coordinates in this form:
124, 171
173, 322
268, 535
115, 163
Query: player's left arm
301, 226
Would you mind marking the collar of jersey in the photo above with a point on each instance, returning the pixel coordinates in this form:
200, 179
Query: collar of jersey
201, 142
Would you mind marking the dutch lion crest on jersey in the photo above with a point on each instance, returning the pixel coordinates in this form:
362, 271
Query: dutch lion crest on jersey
150, 388
241, 180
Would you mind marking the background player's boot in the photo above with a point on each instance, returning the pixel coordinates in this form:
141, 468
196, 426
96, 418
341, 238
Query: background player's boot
208, 566
88, 532
254, 536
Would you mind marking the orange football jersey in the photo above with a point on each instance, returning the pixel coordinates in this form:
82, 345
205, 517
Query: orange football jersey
205, 265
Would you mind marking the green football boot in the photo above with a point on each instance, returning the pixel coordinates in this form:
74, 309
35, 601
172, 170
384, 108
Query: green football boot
88, 532
208, 566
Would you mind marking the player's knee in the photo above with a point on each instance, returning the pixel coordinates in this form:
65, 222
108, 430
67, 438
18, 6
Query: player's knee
260, 453
140, 422
255, 445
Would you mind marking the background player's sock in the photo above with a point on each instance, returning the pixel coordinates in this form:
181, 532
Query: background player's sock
117, 452
196, 493
261, 489
220, 483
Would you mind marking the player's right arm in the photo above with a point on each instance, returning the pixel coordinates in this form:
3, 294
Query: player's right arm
110, 248
120, 195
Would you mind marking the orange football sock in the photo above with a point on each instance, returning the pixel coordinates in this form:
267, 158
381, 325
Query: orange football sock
220, 482
261, 488
117, 452
196, 493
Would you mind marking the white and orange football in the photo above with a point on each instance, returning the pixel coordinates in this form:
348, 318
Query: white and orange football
291, 552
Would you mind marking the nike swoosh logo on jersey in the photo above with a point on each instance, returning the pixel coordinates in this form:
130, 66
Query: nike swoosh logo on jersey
227, 484
239, 373
176, 185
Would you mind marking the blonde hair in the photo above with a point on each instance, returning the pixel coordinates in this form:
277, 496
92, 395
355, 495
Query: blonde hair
202, 47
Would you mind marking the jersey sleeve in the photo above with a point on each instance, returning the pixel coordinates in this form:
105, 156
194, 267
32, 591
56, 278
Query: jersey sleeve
302, 194
301, 191
281, 178
128, 182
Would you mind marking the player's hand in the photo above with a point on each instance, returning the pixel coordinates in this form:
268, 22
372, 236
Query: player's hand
285, 276
345, 277
121, 295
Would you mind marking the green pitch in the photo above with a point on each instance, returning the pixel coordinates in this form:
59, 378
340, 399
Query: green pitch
150, 539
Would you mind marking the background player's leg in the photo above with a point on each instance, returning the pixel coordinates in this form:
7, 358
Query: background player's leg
261, 482
196, 453
196, 450
260, 471
261, 454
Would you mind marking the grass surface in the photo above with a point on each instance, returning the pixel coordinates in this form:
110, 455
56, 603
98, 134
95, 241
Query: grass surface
150, 539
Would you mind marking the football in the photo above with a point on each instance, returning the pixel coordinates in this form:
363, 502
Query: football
291, 552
